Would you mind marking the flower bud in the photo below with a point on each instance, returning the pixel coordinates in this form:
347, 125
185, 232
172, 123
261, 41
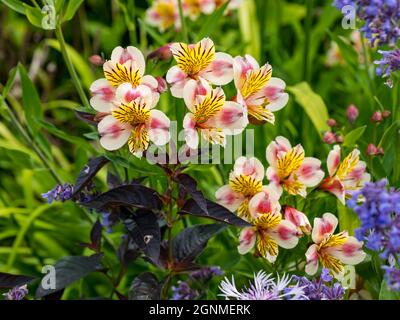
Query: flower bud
377, 117
373, 150
386, 114
331, 123
162, 53
96, 60
329, 137
352, 113
339, 138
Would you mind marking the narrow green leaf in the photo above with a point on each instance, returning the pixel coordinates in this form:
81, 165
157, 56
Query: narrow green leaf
72, 8
34, 16
352, 137
211, 23
15, 5
312, 104
10, 83
31, 100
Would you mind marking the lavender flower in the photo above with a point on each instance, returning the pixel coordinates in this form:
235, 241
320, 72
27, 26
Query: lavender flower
264, 287
319, 289
194, 287
17, 293
392, 277
389, 63
379, 213
184, 292
59, 193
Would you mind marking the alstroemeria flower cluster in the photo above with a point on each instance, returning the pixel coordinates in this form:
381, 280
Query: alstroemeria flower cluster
290, 174
125, 99
164, 14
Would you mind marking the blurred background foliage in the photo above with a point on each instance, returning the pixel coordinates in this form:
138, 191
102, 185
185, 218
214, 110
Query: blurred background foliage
293, 36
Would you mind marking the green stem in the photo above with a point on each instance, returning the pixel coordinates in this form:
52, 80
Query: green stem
70, 66
183, 23
306, 58
30, 142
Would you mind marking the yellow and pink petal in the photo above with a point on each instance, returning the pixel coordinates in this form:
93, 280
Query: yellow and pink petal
103, 95
158, 128
324, 227
247, 240
310, 173
228, 198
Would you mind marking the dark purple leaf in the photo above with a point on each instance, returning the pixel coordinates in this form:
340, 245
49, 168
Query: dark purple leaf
215, 212
71, 269
190, 185
128, 251
144, 230
88, 172
188, 244
9, 281
134, 195
95, 236
145, 287
112, 180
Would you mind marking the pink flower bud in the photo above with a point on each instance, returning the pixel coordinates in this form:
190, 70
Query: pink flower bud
373, 150
299, 219
162, 53
339, 138
386, 114
329, 137
331, 123
96, 60
162, 85
352, 113
377, 117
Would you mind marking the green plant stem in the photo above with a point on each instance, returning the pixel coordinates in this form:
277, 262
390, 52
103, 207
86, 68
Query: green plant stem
307, 41
30, 142
183, 23
70, 66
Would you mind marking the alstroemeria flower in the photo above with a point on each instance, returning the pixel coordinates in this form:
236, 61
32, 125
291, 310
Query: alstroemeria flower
299, 219
245, 181
346, 176
290, 169
163, 14
270, 231
334, 251
210, 115
261, 93
197, 61
134, 121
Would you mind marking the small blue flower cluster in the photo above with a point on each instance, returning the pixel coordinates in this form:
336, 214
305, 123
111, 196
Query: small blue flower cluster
322, 288
59, 193
185, 291
379, 213
17, 293
381, 26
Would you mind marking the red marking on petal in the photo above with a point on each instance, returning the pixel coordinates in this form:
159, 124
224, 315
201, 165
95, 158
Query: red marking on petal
264, 206
349, 249
285, 233
272, 92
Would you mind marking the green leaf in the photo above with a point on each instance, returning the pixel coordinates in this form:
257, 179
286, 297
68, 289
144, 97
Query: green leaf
387, 294
390, 135
154, 34
312, 104
352, 137
348, 219
250, 28
62, 134
31, 101
211, 23
80, 64
15, 5
34, 16
10, 83
72, 8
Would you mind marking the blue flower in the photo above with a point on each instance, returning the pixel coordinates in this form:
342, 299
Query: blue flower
17, 293
59, 193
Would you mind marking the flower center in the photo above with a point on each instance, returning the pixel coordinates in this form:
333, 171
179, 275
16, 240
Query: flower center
135, 113
193, 59
255, 81
245, 185
211, 104
121, 73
